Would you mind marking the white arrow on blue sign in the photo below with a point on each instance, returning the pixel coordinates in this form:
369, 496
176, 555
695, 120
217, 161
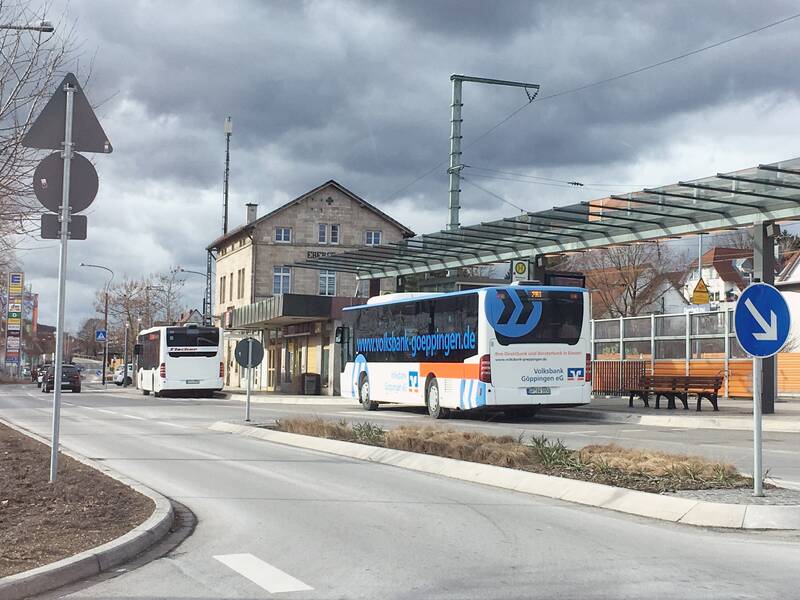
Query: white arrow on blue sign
100, 335
762, 320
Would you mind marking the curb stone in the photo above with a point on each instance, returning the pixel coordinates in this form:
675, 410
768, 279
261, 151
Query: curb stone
95, 560
675, 509
684, 421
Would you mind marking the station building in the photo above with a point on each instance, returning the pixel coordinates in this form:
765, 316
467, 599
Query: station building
260, 292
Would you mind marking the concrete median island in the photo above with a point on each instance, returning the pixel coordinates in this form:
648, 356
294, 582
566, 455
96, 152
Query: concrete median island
637, 482
88, 521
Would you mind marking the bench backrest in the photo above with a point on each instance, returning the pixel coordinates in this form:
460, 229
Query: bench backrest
681, 382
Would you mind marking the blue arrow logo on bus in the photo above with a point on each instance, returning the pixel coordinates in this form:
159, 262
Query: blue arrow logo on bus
512, 312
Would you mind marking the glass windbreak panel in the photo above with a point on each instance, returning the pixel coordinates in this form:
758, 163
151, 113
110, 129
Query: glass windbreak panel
731, 321
606, 330
637, 327
606, 351
192, 336
708, 323
670, 349
669, 326
709, 348
638, 350
736, 349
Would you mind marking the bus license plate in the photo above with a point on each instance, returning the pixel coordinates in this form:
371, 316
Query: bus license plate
538, 391
191, 381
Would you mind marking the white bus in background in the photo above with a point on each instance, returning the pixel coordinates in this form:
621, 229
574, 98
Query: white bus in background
514, 348
179, 359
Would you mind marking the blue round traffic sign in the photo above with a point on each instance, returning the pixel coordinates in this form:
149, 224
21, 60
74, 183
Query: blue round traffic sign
762, 320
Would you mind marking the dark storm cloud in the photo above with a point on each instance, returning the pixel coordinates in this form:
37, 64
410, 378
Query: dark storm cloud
360, 92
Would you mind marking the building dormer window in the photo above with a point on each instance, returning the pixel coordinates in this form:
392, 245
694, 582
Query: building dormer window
283, 235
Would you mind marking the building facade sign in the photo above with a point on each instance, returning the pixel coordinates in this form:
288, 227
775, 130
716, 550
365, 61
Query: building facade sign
14, 298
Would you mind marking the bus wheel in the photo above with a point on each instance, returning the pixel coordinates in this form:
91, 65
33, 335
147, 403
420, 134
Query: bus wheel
363, 395
432, 401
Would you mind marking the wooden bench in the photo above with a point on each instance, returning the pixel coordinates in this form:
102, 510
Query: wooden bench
677, 386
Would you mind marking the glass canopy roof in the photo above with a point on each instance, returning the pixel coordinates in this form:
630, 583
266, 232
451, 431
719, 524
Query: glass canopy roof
725, 201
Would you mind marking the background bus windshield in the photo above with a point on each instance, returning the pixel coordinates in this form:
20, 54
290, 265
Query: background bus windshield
192, 336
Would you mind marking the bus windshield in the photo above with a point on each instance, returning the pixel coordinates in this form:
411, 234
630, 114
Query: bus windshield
560, 320
192, 336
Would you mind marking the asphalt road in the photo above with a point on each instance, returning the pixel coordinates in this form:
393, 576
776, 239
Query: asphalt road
273, 519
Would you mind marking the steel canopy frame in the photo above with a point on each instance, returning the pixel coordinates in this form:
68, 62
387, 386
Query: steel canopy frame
712, 205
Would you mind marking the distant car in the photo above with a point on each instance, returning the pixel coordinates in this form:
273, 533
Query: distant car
41, 374
25, 372
70, 379
117, 379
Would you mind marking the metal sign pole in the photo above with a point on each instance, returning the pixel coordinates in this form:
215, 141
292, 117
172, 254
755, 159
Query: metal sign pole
62, 284
249, 377
758, 489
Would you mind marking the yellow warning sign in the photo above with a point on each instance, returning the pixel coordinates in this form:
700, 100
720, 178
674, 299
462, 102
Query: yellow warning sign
700, 293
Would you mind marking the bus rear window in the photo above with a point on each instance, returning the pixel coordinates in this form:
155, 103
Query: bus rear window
192, 336
561, 320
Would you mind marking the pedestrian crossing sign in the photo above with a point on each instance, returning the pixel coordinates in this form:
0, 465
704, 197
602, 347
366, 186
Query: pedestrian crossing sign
100, 335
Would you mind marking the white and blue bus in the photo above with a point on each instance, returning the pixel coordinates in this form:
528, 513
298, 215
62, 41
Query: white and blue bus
179, 359
514, 348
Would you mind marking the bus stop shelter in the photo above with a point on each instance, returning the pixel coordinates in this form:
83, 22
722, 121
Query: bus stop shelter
755, 198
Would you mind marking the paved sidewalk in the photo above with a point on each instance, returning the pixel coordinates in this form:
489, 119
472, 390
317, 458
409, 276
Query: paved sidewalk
733, 414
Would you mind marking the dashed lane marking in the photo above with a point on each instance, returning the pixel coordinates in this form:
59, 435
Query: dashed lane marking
110, 412
135, 417
262, 573
172, 424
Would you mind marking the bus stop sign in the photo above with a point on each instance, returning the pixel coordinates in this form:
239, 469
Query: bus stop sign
249, 348
762, 320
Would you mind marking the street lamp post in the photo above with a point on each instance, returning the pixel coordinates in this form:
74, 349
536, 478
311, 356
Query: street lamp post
182, 270
125, 357
105, 315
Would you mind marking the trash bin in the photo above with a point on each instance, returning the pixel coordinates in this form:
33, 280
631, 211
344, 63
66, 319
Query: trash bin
311, 384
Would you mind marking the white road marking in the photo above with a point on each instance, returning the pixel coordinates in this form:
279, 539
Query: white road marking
110, 412
135, 417
173, 424
262, 574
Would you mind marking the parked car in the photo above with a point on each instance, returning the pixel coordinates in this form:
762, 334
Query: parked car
41, 374
70, 379
117, 379
25, 372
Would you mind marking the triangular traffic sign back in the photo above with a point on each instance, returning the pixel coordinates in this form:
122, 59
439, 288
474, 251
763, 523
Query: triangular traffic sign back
47, 132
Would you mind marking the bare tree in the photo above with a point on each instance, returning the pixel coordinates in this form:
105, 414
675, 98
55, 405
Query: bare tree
626, 280
167, 299
31, 63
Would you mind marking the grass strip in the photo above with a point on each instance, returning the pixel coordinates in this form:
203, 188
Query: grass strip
636, 469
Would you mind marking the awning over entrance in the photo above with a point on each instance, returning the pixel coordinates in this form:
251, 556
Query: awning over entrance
726, 201
285, 309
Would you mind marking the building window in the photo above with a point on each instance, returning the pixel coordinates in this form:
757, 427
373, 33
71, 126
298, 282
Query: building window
327, 283
281, 280
373, 238
230, 288
323, 233
283, 234
222, 289
240, 284
334, 234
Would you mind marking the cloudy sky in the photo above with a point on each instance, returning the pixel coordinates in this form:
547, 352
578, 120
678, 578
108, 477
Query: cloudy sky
360, 92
